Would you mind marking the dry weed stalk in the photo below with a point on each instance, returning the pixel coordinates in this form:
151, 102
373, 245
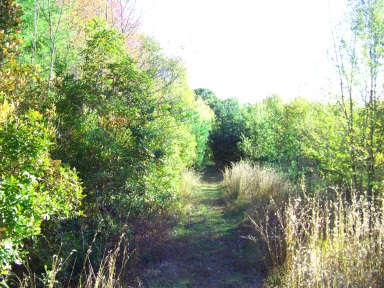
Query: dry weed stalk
328, 242
110, 271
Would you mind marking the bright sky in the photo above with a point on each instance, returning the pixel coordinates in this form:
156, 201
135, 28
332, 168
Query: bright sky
248, 49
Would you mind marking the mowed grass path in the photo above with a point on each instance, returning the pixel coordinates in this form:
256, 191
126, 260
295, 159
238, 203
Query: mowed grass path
206, 248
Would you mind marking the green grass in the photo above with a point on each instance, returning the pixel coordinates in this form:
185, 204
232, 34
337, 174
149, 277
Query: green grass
207, 248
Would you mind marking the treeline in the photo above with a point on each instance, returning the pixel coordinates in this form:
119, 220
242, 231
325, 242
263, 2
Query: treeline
309, 141
336, 142
312, 179
97, 126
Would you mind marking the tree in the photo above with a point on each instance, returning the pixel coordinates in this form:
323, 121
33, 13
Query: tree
33, 187
46, 32
120, 133
227, 132
208, 97
300, 138
359, 62
119, 14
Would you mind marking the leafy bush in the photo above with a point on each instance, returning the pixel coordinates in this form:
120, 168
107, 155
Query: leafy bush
33, 187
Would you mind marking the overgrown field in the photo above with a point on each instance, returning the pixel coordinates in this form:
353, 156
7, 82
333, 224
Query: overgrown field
311, 240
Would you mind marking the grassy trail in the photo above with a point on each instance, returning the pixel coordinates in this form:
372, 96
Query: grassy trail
206, 248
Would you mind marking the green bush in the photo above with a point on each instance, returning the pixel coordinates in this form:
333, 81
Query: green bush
33, 187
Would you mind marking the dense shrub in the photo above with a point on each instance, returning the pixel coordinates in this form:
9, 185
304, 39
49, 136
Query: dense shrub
33, 187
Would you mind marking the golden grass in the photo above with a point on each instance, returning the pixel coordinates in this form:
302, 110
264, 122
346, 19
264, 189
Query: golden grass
190, 181
320, 242
262, 190
246, 181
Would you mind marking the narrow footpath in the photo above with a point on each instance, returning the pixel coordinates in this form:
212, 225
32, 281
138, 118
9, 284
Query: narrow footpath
207, 248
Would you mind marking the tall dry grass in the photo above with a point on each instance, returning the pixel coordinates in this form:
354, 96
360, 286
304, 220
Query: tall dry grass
190, 181
325, 242
317, 241
249, 182
110, 273
261, 191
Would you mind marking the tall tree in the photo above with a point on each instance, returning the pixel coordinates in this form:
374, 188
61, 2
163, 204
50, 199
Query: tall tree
119, 14
33, 186
46, 32
359, 61
208, 97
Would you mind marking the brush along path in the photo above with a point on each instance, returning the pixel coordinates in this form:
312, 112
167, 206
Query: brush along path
206, 249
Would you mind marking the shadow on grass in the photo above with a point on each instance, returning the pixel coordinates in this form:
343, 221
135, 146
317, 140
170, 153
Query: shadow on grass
207, 248
212, 175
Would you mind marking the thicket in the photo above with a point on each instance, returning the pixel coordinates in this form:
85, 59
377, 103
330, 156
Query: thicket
326, 229
97, 127
228, 128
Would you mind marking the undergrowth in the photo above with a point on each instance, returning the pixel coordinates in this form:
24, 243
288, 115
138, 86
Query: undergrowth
311, 241
190, 181
107, 262
111, 271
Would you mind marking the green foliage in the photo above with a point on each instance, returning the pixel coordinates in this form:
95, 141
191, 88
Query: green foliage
304, 139
129, 125
208, 97
227, 132
264, 123
109, 134
19, 84
47, 33
128, 139
9, 27
359, 61
33, 187
228, 128
202, 122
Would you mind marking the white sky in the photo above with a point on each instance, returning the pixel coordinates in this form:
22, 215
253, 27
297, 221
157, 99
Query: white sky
247, 49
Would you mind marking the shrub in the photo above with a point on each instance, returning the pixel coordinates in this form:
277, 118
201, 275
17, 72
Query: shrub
33, 187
